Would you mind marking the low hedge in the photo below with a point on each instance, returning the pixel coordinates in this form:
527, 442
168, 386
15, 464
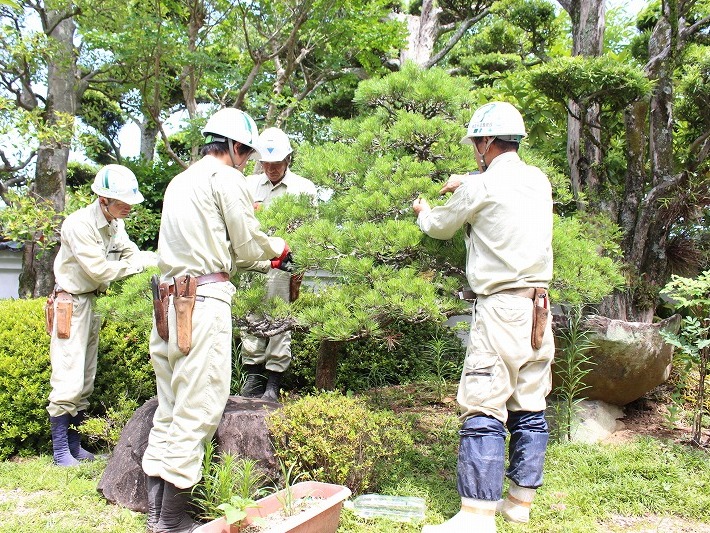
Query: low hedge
123, 370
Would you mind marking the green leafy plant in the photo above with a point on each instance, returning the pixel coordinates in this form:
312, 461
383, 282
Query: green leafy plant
106, 429
285, 496
443, 357
29, 219
570, 368
228, 480
236, 509
692, 297
337, 439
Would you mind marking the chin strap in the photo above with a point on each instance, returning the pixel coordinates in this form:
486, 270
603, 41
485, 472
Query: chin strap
481, 156
105, 209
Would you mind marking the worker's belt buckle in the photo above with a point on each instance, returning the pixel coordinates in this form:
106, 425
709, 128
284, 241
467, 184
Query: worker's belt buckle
467, 295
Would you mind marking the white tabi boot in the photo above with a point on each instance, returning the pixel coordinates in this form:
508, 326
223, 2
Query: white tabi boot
475, 516
516, 506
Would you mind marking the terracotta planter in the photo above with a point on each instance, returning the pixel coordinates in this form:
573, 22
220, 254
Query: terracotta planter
321, 517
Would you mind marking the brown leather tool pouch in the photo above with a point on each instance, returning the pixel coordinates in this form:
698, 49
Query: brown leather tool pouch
64, 308
49, 313
184, 302
294, 287
540, 316
160, 307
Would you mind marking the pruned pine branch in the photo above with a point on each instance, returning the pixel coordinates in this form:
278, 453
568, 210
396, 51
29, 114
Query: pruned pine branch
265, 327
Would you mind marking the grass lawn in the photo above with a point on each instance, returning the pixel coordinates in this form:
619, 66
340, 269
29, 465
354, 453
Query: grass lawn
641, 485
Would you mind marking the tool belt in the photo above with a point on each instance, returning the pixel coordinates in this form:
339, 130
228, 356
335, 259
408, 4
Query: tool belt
183, 290
541, 311
60, 303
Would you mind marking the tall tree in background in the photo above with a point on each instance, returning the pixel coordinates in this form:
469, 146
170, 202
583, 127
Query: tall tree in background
32, 62
299, 47
583, 124
655, 188
432, 21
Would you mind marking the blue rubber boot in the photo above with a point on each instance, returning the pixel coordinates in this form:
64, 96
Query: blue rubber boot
74, 439
60, 440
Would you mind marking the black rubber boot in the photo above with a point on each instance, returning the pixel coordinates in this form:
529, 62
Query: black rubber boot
173, 511
74, 439
60, 440
255, 384
155, 486
273, 385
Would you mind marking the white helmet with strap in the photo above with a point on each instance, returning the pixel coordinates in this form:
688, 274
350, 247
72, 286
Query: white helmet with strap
231, 123
496, 119
274, 145
117, 182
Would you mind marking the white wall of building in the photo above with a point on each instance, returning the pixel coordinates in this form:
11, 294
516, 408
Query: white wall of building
10, 269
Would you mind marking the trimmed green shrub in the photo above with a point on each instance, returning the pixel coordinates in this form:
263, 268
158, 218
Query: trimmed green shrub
24, 377
333, 438
123, 369
124, 375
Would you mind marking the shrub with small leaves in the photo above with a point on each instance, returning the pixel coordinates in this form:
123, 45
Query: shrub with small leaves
24, 377
337, 439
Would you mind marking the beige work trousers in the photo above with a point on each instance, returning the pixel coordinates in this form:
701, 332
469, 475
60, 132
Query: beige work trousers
274, 352
74, 359
192, 392
502, 371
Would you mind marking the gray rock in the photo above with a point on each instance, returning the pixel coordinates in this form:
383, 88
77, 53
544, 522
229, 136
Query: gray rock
242, 430
595, 421
631, 358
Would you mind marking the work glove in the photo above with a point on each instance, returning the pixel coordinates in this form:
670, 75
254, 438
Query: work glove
284, 261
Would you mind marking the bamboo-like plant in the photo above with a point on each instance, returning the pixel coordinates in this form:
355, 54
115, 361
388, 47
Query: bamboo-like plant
289, 504
228, 482
571, 368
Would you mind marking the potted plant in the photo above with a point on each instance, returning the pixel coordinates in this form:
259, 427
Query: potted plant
306, 507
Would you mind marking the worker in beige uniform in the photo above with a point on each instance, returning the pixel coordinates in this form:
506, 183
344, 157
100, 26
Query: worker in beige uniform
95, 250
266, 359
506, 211
207, 222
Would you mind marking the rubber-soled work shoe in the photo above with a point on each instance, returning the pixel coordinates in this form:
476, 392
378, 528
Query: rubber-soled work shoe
173, 512
255, 384
154, 486
273, 385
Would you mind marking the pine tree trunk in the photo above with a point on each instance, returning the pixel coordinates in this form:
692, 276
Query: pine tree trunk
327, 365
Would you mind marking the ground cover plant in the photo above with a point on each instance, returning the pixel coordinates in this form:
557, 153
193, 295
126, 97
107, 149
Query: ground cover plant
641, 483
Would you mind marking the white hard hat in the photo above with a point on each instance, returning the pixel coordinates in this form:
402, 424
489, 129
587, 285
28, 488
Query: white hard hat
231, 123
118, 182
274, 145
496, 119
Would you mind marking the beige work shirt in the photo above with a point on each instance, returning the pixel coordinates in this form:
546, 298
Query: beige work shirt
508, 209
93, 252
263, 192
208, 219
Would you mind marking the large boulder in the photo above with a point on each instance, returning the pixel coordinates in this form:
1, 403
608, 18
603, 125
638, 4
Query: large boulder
630, 358
242, 430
